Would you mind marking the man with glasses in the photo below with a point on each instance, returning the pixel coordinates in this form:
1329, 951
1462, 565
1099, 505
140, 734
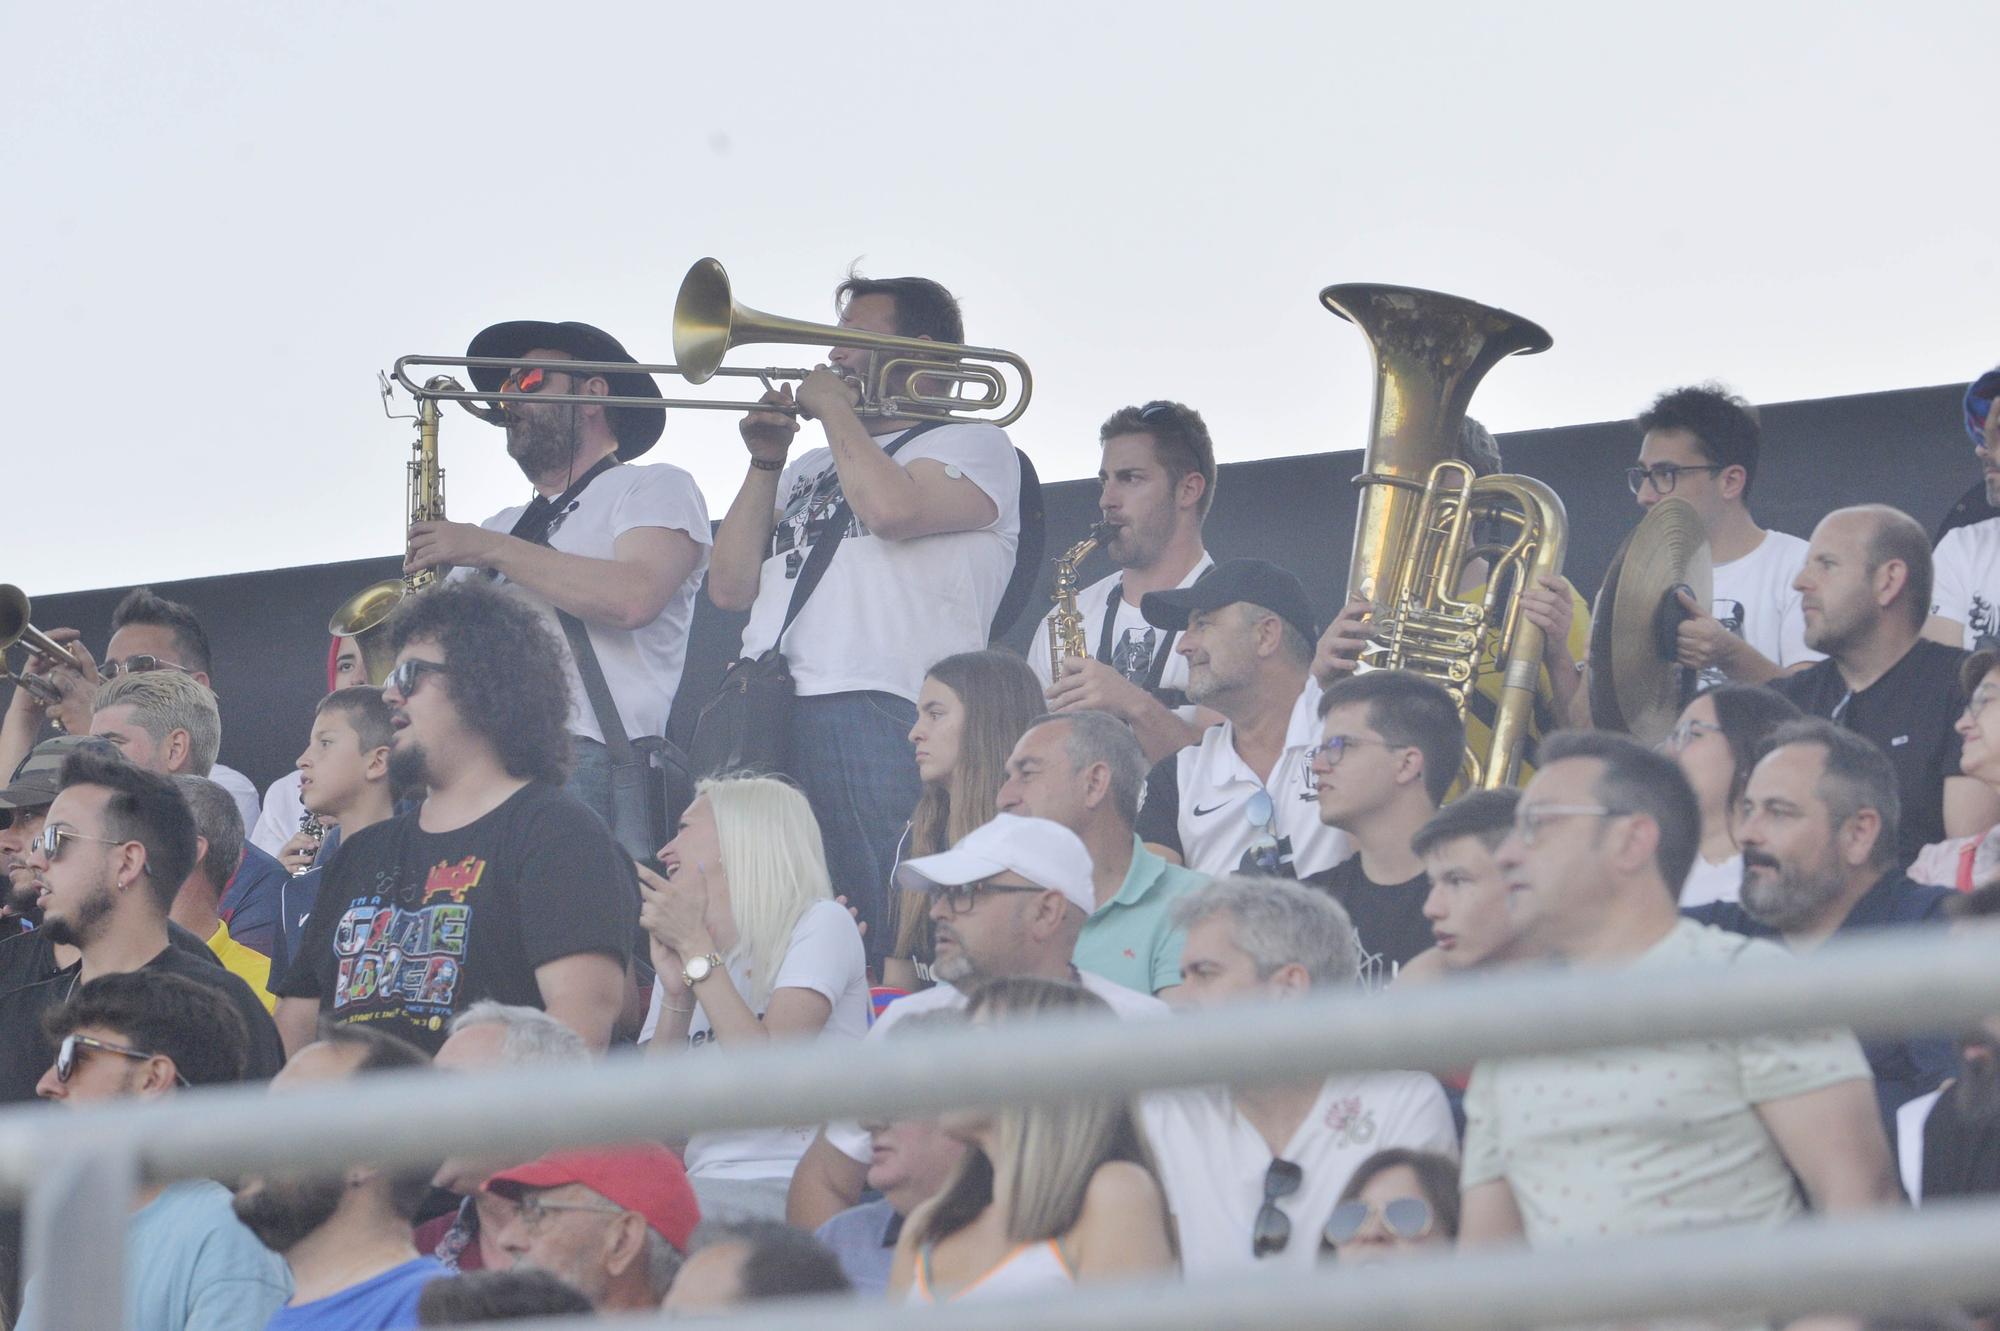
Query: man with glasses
1243, 799
112, 854
614, 1223
1009, 899
1155, 486
1965, 597
1391, 745
498, 885
142, 1036
1662, 1138
1252, 1173
1700, 444
610, 554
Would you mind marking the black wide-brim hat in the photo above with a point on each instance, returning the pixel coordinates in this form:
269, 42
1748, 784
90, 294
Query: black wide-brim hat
636, 428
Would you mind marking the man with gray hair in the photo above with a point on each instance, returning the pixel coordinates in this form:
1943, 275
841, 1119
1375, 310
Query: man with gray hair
1817, 824
218, 827
613, 1222
1252, 1173
1085, 770
487, 1035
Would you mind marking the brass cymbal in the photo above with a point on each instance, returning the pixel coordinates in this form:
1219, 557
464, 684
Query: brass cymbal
1635, 685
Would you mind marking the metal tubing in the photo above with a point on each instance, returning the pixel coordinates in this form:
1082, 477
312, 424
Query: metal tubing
76, 1226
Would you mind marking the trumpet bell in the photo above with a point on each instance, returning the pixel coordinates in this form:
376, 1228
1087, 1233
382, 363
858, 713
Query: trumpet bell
364, 617
703, 314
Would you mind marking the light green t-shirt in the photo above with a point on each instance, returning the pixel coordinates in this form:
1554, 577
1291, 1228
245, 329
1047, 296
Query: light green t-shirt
1655, 1139
1131, 939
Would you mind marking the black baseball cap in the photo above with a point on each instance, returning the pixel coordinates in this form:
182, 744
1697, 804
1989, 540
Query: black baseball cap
1255, 580
637, 428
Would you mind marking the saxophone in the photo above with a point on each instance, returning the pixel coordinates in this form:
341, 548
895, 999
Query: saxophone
1066, 637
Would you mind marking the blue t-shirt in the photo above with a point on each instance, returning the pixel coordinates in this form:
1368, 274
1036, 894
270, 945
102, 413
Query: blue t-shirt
386, 1303
190, 1265
250, 900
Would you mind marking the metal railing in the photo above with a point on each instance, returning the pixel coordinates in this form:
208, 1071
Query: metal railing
78, 1169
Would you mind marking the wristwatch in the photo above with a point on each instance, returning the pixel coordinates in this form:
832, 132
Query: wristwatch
698, 969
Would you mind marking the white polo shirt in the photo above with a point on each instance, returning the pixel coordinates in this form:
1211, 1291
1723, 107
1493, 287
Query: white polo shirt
1197, 802
853, 1141
1212, 1162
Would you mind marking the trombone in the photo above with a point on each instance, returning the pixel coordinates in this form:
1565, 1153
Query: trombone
908, 378
14, 627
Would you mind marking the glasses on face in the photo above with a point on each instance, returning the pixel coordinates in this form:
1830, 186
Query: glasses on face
1686, 732
1528, 822
1663, 475
66, 1055
1977, 702
139, 665
1272, 1229
535, 1212
409, 673
1329, 751
52, 840
1406, 1218
532, 381
960, 898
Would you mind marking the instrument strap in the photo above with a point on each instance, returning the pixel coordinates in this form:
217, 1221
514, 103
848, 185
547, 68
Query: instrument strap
1158, 669
538, 519
831, 533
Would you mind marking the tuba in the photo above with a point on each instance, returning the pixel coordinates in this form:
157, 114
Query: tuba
1425, 516
363, 615
1066, 621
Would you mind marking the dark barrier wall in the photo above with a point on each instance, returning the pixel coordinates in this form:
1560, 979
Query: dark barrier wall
1907, 448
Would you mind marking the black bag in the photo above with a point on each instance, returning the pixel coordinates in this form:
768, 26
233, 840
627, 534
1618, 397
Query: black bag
746, 725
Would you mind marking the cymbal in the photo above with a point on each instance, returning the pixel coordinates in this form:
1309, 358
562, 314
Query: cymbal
1635, 685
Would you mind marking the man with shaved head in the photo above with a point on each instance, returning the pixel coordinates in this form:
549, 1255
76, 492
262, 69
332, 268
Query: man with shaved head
1865, 592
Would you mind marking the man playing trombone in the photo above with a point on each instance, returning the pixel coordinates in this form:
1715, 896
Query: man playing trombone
929, 523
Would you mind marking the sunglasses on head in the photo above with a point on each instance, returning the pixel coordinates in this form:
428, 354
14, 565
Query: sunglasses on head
1406, 1218
1272, 1229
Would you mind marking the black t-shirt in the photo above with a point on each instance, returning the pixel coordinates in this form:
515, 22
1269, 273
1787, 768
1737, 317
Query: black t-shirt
1388, 917
25, 1055
411, 926
1910, 713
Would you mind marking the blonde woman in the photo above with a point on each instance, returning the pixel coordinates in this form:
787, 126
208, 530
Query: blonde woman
750, 947
1045, 1197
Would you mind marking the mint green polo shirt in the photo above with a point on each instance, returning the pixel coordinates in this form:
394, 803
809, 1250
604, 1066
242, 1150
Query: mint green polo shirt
1131, 939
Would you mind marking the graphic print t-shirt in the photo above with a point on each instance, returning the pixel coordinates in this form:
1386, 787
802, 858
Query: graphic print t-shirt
412, 926
1966, 585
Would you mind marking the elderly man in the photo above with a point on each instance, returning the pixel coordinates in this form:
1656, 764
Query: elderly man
613, 1223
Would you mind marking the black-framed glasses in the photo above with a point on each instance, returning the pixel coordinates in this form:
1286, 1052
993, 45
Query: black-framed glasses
1663, 475
141, 664
1407, 1218
52, 838
66, 1055
1272, 1229
960, 898
409, 673
1334, 747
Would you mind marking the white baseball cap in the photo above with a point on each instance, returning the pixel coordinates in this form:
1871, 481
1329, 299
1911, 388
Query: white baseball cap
1045, 853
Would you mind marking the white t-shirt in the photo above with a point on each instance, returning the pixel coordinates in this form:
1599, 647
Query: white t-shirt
241, 790
1911, 1117
1212, 1162
825, 956
849, 1137
1212, 824
1135, 645
1707, 883
1966, 581
1754, 600
887, 611
282, 813
642, 666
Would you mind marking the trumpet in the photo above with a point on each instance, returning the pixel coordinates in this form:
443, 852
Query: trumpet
908, 378
15, 609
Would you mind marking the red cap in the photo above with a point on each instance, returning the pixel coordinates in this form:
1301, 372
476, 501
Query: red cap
648, 1179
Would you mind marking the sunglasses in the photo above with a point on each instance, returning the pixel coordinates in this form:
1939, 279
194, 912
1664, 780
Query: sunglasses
409, 673
1406, 1218
1272, 1229
52, 839
532, 381
1265, 855
139, 665
66, 1055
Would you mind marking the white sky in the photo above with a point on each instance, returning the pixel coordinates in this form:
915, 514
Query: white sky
222, 219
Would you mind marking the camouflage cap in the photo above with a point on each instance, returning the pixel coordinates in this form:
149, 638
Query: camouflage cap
39, 776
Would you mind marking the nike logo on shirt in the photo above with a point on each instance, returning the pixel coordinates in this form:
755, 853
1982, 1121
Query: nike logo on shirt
1200, 812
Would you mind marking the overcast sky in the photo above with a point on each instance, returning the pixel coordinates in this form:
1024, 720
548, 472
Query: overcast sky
223, 219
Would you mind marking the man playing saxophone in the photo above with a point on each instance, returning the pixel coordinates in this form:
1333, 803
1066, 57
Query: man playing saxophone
1156, 483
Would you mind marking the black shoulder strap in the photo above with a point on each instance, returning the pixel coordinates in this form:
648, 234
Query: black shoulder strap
596, 689
829, 540
1027, 551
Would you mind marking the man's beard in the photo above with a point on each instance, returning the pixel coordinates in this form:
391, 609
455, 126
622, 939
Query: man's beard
1138, 544
23, 897
1790, 899
80, 927
282, 1213
408, 767
543, 440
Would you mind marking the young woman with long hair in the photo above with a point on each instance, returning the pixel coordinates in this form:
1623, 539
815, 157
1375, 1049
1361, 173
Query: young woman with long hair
972, 709
751, 948
1046, 1196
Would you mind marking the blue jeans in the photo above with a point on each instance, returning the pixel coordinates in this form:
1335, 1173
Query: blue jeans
590, 783
852, 756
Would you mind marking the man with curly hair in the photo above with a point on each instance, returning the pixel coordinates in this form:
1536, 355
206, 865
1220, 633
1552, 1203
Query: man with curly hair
498, 885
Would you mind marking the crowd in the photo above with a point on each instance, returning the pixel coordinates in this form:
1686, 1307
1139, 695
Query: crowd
1215, 806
